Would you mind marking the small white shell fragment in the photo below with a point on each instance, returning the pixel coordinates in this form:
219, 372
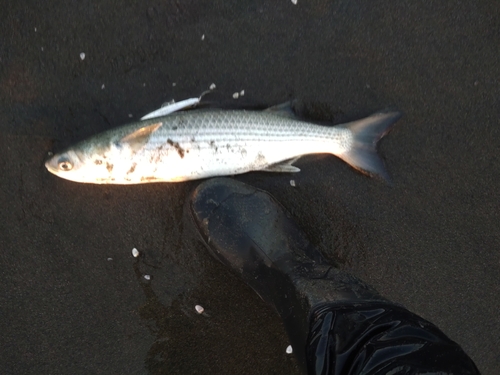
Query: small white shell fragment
173, 84
42, 49
289, 349
199, 309
130, 115
242, 92
212, 86
203, 37
147, 277
110, 259
35, 29
82, 56
135, 252
294, 2
236, 95
144, 84
102, 87
292, 183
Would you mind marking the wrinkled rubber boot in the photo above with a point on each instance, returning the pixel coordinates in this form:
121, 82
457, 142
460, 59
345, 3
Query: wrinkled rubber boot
251, 233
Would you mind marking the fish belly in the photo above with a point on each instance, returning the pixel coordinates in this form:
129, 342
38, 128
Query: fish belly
201, 160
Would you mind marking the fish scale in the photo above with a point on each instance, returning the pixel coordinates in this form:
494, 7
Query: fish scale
245, 126
204, 143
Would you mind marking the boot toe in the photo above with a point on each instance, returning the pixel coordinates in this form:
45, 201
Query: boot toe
219, 209
236, 219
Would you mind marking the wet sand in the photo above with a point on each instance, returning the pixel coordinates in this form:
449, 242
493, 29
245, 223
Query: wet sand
73, 298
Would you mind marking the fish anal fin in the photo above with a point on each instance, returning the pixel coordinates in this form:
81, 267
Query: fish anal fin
283, 167
140, 137
283, 110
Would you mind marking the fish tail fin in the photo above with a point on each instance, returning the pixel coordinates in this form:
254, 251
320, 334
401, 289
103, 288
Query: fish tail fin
366, 133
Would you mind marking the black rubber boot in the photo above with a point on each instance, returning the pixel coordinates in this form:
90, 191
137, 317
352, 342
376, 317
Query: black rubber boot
250, 232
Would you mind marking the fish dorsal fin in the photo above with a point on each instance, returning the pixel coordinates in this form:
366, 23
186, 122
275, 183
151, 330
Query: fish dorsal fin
283, 110
140, 137
283, 167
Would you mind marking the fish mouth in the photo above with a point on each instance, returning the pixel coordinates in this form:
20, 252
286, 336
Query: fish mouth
50, 167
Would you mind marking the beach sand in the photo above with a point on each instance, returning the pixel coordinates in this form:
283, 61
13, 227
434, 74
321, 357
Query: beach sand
73, 298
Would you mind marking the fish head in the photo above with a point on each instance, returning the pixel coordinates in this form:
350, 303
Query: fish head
90, 161
105, 158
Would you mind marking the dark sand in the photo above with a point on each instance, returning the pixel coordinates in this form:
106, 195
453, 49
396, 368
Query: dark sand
430, 242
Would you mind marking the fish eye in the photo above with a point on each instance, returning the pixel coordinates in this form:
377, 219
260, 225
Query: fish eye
65, 165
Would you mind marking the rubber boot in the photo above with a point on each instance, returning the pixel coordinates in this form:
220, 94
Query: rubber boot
251, 233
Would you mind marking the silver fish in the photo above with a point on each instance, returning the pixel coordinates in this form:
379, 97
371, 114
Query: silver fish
188, 145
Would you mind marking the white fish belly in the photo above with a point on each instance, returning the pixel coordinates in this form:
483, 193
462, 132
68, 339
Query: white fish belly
187, 161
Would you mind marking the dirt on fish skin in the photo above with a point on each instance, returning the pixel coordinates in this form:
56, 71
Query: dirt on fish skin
178, 148
148, 179
132, 168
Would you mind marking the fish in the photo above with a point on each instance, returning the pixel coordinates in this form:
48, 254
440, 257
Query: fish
173, 144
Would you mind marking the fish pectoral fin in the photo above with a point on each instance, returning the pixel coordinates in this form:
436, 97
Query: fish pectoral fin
140, 137
283, 110
283, 167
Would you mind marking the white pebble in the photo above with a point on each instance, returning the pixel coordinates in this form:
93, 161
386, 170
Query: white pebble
242, 92
212, 86
110, 259
289, 349
130, 115
199, 309
292, 183
147, 277
35, 29
102, 87
294, 2
236, 95
135, 252
173, 84
203, 37
82, 56
42, 49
